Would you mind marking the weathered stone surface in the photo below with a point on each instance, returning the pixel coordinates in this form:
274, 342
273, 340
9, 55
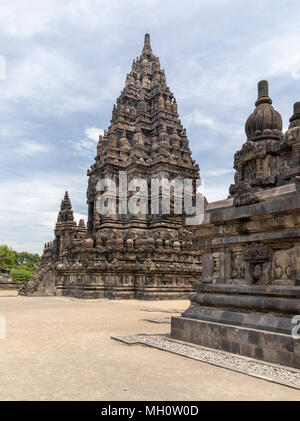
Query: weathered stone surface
264, 345
249, 291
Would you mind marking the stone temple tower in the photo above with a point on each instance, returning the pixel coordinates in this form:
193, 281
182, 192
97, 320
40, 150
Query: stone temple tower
146, 140
124, 254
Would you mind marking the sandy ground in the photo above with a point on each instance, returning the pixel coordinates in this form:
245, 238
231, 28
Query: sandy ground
60, 349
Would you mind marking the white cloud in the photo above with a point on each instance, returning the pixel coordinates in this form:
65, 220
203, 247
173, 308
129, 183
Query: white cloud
218, 172
87, 145
29, 207
198, 118
2, 67
216, 192
78, 216
19, 18
93, 133
35, 77
295, 68
30, 148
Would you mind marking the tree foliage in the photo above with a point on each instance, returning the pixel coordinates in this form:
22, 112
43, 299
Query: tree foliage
27, 259
7, 256
21, 265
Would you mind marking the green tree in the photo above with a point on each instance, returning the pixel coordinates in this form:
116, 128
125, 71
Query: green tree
27, 259
22, 265
7, 256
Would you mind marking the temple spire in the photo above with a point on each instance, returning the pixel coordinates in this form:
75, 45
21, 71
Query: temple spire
65, 214
145, 114
66, 203
147, 50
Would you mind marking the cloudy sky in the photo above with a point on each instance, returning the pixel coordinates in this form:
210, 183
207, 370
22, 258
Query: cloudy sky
63, 64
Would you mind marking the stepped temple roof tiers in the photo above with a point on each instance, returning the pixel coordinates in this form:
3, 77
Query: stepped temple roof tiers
145, 136
250, 247
122, 254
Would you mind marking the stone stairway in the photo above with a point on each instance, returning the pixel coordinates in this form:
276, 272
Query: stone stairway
31, 286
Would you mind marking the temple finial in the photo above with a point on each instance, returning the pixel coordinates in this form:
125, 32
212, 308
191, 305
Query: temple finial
263, 88
264, 123
295, 119
263, 93
147, 39
297, 108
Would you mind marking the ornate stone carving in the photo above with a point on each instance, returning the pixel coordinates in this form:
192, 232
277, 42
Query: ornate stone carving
237, 266
244, 194
257, 252
250, 150
283, 267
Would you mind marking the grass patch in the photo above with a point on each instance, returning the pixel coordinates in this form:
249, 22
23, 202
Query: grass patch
21, 274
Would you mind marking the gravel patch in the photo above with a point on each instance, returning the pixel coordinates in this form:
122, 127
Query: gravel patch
158, 310
162, 320
271, 372
130, 339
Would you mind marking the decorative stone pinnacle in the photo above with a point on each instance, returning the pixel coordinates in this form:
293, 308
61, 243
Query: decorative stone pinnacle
264, 122
263, 88
296, 115
81, 223
263, 93
147, 39
65, 214
297, 108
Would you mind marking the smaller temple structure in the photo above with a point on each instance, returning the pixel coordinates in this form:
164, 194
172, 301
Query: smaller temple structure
6, 280
248, 299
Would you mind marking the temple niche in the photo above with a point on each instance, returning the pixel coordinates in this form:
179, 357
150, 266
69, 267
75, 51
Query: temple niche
146, 255
250, 246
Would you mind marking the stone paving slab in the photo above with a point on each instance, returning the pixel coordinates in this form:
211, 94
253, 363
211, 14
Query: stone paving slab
162, 310
271, 372
161, 320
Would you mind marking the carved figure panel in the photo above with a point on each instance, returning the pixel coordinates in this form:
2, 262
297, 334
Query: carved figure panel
284, 267
237, 266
